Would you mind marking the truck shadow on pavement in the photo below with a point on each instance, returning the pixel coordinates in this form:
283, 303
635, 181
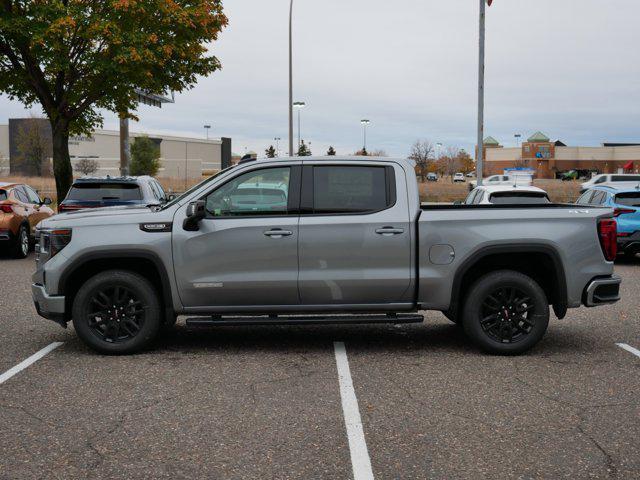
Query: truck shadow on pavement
429, 338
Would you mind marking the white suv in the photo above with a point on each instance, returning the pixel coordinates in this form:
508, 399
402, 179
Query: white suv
459, 177
608, 179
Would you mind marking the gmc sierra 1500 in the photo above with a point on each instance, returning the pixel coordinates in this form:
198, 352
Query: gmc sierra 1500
321, 240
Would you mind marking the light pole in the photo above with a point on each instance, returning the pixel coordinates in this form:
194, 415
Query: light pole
291, 79
277, 139
364, 122
480, 143
517, 136
299, 106
206, 129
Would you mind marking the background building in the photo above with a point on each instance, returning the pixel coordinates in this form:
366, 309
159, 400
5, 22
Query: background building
180, 157
550, 159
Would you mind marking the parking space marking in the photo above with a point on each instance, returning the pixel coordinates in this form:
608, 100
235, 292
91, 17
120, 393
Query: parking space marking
360, 461
629, 349
29, 361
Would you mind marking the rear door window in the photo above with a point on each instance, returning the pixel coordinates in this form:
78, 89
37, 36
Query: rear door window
32, 195
479, 197
585, 198
104, 191
625, 178
628, 199
352, 189
518, 198
598, 198
471, 197
19, 195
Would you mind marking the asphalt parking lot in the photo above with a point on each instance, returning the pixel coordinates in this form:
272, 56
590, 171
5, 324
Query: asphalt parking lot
268, 402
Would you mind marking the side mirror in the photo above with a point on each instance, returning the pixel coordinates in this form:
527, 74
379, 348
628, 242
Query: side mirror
46, 201
458, 202
195, 212
170, 197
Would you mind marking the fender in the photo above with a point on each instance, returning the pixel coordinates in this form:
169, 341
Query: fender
83, 260
560, 305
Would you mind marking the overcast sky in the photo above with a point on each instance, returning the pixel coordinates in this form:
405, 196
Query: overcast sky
569, 68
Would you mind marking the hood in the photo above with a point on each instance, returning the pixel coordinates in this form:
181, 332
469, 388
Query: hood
107, 215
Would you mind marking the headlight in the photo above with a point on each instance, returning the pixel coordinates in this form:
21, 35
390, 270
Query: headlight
52, 241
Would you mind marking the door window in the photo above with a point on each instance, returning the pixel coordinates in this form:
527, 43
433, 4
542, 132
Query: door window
478, 198
20, 195
470, 197
585, 198
352, 189
259, 192
598, 198
32, 195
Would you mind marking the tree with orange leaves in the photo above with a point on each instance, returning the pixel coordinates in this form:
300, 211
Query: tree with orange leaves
75, 57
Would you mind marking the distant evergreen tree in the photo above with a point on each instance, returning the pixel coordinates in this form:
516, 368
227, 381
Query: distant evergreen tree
331, 152
271, 152
145, 157
303, 150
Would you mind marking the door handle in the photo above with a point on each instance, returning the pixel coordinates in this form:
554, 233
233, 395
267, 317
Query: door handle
389, 231
278, 233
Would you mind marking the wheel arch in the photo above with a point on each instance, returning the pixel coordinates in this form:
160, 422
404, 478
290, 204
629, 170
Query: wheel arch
146, 264
541, 262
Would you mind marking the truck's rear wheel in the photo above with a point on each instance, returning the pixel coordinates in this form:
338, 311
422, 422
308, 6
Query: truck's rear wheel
506, 312
117, 312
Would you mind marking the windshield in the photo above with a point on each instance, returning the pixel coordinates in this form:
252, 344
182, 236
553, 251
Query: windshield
104, 191
524, 198
179, 198
629, 199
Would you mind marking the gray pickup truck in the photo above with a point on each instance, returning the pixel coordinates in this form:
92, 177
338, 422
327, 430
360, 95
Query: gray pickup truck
321, 240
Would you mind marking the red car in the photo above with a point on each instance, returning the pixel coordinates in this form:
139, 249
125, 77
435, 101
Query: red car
21, 208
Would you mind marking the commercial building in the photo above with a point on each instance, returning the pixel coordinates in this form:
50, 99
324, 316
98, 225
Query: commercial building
550, 159
180, 157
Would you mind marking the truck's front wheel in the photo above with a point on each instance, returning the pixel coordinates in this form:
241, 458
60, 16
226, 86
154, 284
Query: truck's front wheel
117, 312
506, 312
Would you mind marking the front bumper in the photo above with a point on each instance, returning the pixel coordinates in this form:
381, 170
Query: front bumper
50, 307
602, 291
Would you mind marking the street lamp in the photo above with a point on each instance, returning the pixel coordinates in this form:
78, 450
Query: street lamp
277, 139
299, 106
517, 136
206, 128
364, 122
479, 170
291, 79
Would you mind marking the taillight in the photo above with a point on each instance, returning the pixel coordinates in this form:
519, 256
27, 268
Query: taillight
6, 208
608, 233
621, 211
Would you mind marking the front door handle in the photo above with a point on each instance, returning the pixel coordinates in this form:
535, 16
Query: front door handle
389, 231
278, 233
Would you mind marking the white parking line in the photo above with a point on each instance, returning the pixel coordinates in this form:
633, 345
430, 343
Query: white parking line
29, 361
360, 461
629, 349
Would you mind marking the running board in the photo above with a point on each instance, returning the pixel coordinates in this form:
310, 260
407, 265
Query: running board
303, 320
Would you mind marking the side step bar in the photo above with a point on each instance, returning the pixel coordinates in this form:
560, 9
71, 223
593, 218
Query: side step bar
303, 320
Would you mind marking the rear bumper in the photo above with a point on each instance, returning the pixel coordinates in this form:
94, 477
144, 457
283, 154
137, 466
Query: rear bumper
630, 243
48, 306
602, 291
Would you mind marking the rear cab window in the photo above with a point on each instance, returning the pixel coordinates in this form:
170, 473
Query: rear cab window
518, 198
347, 189
3, 195
104, 191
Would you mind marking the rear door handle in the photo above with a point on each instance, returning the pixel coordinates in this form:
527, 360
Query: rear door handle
278, 233
388, 231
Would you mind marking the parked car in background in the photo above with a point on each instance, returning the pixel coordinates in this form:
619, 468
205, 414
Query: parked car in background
521, 180
432, 177
612, 179
459, 177
95, 192
626, 209
506, 195
470, 175
21, 208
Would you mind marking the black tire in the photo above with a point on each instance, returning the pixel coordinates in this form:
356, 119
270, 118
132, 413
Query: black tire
20, 247
117, 312
505, 313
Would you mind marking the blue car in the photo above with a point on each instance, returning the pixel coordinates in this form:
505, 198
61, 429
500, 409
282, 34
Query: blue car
96, 192
625, 202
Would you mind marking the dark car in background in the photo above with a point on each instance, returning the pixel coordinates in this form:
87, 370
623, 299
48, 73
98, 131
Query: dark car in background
21, 208
96, 192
